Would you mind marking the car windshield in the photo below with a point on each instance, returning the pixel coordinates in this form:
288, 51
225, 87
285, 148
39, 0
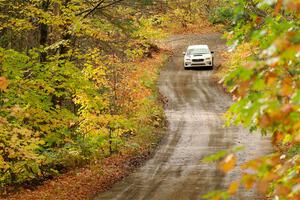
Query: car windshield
196, 52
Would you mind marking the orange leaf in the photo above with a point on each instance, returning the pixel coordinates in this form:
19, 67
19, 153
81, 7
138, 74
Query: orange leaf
216, 198
248, 181
274, 160
228, 163
271, 176
263, 186
278, 7
259, 20
233, 188
293, 6
253, 164
271, 79
243, 88
297, 126
287, 109
276, 115
265, 121
282, 190
298, 84
297, 138
277, 137
3, 83
286, 87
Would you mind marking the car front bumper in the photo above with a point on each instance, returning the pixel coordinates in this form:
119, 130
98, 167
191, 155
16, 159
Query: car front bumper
198, 64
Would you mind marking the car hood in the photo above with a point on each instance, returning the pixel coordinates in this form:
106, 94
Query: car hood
204, 56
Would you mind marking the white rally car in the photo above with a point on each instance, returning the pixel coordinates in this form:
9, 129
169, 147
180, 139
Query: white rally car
198, 56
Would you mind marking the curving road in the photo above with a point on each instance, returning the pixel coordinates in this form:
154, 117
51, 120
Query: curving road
195, 130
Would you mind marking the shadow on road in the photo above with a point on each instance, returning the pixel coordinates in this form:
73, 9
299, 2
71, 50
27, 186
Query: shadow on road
199, 68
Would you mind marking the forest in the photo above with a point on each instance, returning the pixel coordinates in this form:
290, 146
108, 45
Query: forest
78, 84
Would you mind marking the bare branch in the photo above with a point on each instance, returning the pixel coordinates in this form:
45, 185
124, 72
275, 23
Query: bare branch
99, 6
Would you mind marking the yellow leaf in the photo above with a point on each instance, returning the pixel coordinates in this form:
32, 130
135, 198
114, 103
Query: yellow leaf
233, 188
297, 126
3, 83
228, 163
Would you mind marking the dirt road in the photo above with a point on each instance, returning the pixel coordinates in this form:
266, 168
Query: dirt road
195, 130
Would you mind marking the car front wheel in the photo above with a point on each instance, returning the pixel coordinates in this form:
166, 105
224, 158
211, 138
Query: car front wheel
212, 64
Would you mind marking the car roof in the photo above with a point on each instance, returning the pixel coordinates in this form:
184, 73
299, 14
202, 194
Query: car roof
198, 47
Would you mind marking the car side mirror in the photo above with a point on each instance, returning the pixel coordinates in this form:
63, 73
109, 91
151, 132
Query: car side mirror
183, 53
212, 53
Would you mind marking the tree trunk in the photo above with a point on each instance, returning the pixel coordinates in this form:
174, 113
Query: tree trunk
63, 49
44, 32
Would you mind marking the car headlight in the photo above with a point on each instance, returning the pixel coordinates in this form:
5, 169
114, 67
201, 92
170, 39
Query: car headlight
208, 59
188, 60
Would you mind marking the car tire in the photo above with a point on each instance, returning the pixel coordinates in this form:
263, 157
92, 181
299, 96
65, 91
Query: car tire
212, 64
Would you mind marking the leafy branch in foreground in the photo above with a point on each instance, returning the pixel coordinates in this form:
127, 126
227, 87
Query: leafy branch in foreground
266, 87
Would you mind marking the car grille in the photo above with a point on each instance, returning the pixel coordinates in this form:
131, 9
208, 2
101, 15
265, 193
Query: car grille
198, 60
